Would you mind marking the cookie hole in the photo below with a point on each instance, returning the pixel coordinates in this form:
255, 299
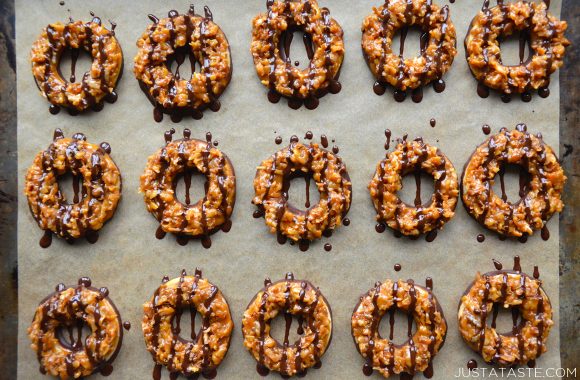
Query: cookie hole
67, 66
73, 336
515, 48
303, 49
286, 322
400, 327
510, 183
417, 186
302, 191
503, 319
190, 187
188, 323
183, 63
70, 187
411, 43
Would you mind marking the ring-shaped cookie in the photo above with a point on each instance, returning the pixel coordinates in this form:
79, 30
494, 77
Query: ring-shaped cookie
99, 195
325, 51
438, 45
96, 85
208, 346
544, 34
542, 193
412, 156
182, 157
177, 37
271, 185
71, 308
506, 289
292, 298
381, 354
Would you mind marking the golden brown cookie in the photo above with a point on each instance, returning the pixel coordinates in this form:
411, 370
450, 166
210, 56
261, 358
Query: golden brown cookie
207, 348
175, 38
529, 304
189, 220
70, 308
271, 36
272, 182
97, 85
437, 46
540, 195
96, 182
537, 28
292, 298
414, 156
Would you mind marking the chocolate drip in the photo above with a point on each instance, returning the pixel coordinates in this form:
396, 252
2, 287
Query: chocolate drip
517, 266
472, 364
324, 141
433, 122
428, 373
46, 239
397, 267
388, 141
273, 95
481, 238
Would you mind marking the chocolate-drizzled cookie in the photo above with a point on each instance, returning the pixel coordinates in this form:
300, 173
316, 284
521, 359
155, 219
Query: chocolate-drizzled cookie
70, 308
97, 85
175, 38
291, 297
437, 46
531, 314
96, 184
189, 220
271, 38
537, 28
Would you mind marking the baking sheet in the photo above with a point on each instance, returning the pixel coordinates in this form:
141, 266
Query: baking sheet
130, 261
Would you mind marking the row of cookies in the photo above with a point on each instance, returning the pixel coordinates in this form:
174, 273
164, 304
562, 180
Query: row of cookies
190, 35
70, 308
97, 188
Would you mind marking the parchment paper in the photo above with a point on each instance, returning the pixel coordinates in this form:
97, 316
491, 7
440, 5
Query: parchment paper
130, 261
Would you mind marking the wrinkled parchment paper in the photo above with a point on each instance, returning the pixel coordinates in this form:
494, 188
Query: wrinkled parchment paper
130, 261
